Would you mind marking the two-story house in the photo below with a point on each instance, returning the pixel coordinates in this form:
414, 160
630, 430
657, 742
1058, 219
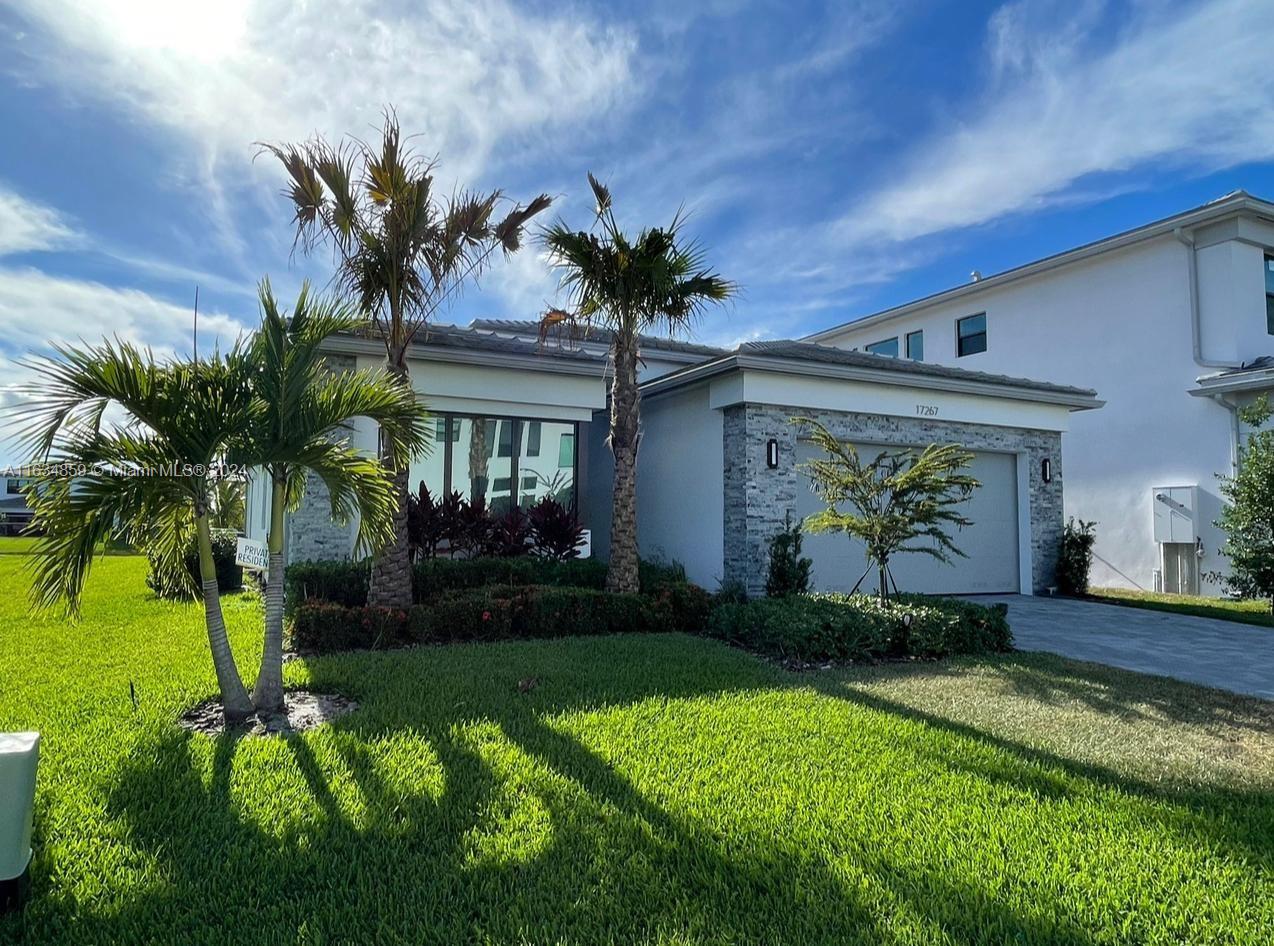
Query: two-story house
1173, 323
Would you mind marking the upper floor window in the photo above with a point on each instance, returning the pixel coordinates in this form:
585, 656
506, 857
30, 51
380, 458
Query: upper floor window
1269, 294
888, 346
971, 334
916, 346
13, 487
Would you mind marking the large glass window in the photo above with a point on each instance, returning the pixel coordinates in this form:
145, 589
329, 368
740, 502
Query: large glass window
971, 334
1269, 294
916, 346
888, 346
500, 461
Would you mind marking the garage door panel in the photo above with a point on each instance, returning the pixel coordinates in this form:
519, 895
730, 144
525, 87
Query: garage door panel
991, 542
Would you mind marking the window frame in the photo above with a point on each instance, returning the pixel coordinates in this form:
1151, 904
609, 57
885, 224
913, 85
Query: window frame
1269, 294
906, 341
960, 338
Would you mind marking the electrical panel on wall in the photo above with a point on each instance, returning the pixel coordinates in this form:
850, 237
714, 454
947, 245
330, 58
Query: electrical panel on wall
1175, 509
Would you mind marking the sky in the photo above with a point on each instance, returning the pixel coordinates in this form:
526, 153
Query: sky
834, 159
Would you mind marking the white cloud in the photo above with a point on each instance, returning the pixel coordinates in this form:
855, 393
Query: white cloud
470, 75
27, 226
1174, 87
38, 310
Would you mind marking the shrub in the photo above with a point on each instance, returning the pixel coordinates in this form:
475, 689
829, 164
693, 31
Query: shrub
344, 583
789, 571
229, 575
860, 627
478, 614
684, 605
1075, 559
509, 535
324, 627
556, 532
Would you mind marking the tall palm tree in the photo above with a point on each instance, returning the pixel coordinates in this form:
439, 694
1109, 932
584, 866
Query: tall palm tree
142, 480
402, 252
300, 413
657, 281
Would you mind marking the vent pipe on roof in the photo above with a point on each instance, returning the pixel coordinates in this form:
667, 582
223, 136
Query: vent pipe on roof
975, 276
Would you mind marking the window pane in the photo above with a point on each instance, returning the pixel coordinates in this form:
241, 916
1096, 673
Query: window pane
888, 346
531, 437
971, 334
428, 467
1269, 314
474, 466
1269, 274
916, 346
550, 472
506, 439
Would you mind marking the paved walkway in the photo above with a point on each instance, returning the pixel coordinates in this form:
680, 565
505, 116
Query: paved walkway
1226, 654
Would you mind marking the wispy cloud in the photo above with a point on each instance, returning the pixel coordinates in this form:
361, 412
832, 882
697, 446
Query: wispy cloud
38, 310
26, 226
1068, 101
472, 76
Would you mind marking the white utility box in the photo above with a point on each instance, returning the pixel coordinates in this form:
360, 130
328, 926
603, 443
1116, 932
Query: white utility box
1175, 512
19, 756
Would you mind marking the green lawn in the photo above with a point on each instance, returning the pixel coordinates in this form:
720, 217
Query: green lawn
648, 790
1245, 612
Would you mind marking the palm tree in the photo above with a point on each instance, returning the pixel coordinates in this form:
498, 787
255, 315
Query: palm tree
300, 412
402, 252
657, 281
143, 480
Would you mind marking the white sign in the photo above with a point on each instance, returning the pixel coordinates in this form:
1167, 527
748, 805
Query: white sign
251, 554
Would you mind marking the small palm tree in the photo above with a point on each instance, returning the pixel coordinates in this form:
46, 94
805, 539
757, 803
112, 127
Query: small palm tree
300, 413
402, 252
142, 480
900, 501
657, 281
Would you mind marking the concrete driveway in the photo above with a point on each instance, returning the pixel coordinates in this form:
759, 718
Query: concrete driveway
1225, 654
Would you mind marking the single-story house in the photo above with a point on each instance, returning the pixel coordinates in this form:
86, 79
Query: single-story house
517, 417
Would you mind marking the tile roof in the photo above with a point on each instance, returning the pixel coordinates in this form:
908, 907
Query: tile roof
601, 336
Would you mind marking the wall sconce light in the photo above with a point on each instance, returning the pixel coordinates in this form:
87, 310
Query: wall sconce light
1046, 470
772, 454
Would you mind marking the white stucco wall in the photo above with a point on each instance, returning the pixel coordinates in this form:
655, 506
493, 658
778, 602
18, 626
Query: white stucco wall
1119, 323
680, 503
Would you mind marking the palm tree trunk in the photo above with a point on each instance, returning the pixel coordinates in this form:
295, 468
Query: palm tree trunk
267, 695
625, 419
391, 570
235, 703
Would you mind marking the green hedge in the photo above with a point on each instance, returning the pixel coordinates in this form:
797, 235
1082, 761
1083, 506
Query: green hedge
861, 627
488, 614
229, 574
345, 583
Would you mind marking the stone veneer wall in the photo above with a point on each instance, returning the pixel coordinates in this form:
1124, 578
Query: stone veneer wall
757, 499
311, 533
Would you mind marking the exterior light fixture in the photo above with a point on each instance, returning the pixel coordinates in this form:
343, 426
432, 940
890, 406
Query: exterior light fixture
1046, 470
772, 454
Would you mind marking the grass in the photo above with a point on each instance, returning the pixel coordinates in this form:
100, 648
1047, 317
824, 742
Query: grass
658, 789
1225, 609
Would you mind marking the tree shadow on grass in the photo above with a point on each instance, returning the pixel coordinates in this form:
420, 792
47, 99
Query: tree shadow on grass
1237, 822
453, 808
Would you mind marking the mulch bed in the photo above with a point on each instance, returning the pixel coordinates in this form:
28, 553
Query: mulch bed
304, 710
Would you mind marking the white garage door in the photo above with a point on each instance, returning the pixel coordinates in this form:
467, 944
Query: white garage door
991, 543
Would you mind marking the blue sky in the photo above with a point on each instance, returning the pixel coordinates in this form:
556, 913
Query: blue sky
836, 158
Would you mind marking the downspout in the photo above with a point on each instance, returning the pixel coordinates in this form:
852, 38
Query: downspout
1196, 330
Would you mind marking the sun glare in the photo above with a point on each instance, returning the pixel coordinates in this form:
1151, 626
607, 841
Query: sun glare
206, 30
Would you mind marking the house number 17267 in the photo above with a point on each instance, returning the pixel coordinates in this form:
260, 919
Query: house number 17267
927, 410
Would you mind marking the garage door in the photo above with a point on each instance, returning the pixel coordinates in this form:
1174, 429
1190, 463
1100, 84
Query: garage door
991, 542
